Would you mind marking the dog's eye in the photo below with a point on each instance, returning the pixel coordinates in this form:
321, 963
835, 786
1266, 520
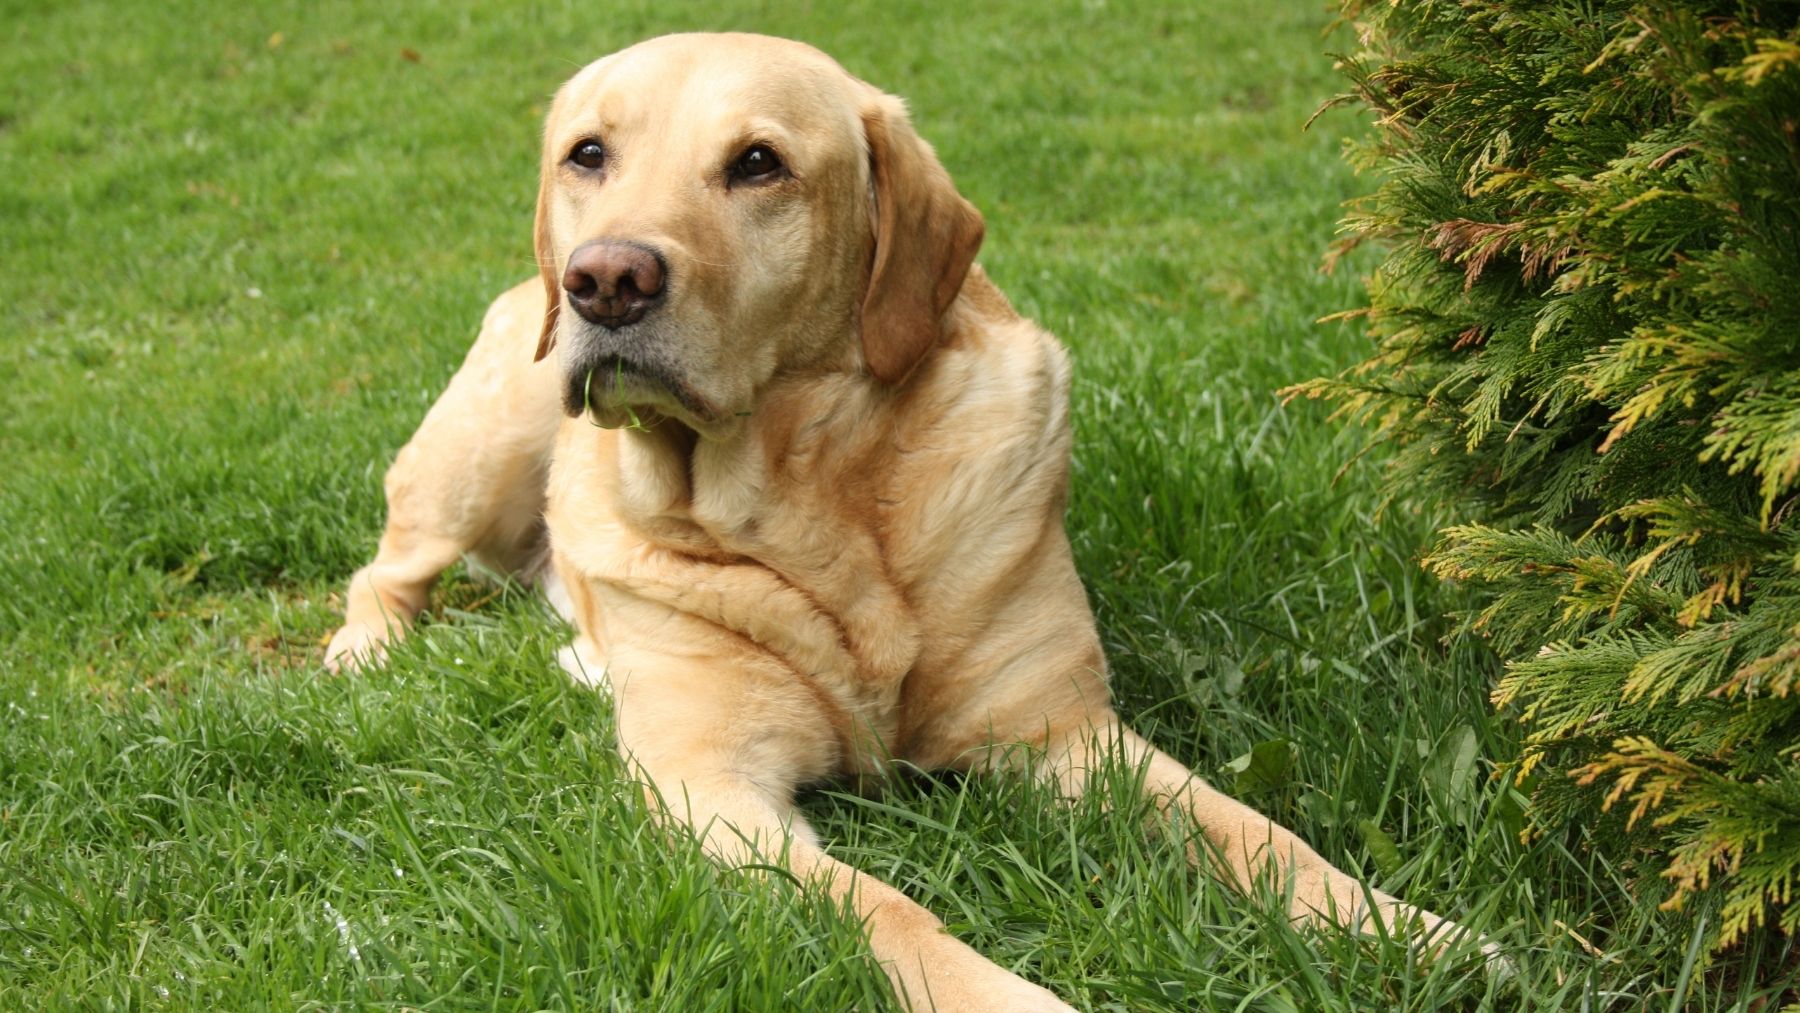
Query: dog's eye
757, 164
588, 155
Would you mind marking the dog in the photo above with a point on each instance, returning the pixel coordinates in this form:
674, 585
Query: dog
800, 470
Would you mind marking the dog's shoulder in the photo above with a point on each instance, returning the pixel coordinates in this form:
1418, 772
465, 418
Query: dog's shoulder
999, 380
979, 457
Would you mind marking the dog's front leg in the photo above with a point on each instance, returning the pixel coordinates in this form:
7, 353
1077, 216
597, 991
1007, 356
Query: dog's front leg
470, 481
1251, 847
721, 743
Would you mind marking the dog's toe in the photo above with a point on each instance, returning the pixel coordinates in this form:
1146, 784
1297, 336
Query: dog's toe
584, 669
355, 646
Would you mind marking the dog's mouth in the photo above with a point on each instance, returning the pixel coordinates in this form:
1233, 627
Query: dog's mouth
619, 391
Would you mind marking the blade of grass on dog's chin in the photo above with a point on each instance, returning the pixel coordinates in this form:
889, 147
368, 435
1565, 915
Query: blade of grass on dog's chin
619, 391
587, 394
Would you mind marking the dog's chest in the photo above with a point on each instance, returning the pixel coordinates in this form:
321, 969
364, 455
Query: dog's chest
787, 558
819, 536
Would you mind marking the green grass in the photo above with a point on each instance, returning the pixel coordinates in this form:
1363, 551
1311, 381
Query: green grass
239, 266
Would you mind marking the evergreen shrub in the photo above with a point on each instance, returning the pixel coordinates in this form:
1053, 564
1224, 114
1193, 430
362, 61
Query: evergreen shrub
1587, 345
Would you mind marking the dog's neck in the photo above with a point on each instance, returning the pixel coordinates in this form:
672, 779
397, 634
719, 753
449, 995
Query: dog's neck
782, 492
724, 494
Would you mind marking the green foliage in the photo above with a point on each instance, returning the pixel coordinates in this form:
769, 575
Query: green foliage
191, 473
1587, 329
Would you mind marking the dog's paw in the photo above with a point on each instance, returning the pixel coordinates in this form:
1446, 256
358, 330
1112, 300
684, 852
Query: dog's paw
1498, 965
1448, 940
356, 646
583, 668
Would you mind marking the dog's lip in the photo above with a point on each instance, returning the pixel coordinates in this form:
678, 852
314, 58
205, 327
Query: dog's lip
588, 385
623, 366
608, 373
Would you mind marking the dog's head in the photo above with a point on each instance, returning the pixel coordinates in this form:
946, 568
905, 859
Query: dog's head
716, 210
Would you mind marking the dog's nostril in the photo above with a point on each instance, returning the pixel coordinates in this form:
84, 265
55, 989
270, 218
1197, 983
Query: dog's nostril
646, 276
578, 282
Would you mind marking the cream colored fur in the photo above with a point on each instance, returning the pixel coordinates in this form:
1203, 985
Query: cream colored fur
844, 543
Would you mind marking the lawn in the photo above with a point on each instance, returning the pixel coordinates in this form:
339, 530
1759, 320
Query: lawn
246, 245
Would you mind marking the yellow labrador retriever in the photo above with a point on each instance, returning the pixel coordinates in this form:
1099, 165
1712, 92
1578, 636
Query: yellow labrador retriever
802, 471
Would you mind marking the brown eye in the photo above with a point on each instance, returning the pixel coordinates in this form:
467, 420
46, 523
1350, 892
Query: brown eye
588, 155
756, 165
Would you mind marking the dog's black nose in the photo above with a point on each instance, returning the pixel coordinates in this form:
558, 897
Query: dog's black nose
613, 283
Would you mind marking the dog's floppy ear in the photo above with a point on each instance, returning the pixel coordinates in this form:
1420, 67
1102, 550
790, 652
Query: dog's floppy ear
546, 258
926, 236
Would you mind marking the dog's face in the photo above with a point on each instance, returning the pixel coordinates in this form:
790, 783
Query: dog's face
718, 209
